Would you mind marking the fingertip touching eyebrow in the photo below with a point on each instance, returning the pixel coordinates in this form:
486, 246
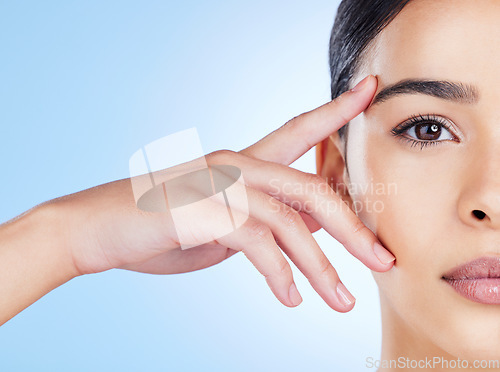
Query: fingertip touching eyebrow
448, 90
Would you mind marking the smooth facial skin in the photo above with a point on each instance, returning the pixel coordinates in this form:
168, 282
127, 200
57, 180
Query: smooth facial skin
427, 223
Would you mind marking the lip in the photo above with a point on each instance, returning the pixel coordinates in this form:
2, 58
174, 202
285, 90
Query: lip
477, 280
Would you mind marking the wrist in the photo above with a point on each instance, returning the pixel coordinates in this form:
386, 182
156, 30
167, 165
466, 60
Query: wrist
50, 230
76, 223
34, 259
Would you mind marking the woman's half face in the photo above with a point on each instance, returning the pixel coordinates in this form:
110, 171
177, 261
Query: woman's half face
431, 191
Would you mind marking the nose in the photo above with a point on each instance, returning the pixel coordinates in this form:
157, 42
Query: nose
479, 204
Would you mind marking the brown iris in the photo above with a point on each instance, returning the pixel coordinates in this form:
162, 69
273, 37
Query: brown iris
429, 132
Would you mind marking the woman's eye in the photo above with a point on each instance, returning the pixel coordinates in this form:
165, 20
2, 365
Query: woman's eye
429, 132
424, 130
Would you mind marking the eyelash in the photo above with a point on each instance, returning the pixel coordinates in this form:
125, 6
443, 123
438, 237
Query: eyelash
413, 121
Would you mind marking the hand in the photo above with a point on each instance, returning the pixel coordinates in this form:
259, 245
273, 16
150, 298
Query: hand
105, 229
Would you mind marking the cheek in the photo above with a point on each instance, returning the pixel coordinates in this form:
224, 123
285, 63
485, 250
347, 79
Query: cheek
401, 195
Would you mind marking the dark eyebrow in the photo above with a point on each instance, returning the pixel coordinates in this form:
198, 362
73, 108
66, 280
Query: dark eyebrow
451, 91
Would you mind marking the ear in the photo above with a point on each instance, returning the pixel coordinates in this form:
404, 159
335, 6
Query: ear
330, 164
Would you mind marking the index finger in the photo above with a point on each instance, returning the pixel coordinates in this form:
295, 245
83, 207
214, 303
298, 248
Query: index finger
292, 140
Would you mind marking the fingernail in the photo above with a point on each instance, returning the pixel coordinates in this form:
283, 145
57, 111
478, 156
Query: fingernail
345, 297
361, 85
383, 254
294, 295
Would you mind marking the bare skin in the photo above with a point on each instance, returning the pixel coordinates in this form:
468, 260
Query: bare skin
102, 228
428, 222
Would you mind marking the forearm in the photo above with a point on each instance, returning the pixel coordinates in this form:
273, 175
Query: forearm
33, 259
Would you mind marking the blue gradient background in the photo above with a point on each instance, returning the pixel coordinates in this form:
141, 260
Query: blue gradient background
83, 85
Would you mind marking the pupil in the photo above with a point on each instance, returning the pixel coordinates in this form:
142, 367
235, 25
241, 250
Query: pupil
429, 132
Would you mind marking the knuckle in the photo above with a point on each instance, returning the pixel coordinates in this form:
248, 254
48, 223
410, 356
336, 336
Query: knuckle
359, 227
290, 217
294, 125
325, 268
314, 179
258, 231
339, 99
220, 156
290, 124
340, 102
283, 268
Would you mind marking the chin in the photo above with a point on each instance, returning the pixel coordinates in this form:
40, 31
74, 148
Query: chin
439, 320
463, 328
475, 332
